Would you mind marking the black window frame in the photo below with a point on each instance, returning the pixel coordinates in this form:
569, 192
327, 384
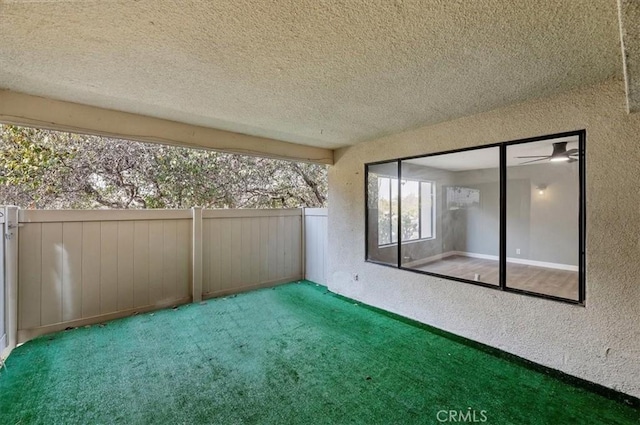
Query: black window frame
581, 134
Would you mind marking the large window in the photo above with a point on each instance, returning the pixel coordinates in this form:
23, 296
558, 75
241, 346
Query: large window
508, 216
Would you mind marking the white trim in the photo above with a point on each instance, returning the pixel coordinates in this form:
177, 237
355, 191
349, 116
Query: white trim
514, 260
476, 255
544, 264
423, 261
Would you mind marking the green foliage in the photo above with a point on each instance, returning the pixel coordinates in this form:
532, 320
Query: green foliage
49, 169
25, 163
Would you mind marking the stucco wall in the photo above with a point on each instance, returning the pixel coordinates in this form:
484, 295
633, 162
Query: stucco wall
599, 342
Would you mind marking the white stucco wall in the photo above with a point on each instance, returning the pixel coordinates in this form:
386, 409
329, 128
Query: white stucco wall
599, 342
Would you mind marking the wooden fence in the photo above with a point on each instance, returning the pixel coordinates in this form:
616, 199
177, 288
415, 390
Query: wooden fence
83, 267
245, 249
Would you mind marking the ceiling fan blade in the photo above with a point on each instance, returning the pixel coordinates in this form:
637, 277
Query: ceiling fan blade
572, 152
535, 160
534, 156
572, 160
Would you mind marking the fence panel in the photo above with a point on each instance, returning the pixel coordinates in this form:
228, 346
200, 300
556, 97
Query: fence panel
315, 226
80, 267
248, 249
83, 267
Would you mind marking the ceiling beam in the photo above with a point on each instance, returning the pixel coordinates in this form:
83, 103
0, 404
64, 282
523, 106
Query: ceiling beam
629, 18
33, 111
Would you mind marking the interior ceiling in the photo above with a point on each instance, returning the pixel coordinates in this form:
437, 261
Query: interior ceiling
480, 159
327, 74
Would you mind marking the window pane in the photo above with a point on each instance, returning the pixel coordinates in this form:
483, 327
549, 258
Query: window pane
382, 212
466, 231
384, 208
410, 210
426, 210
542, 217
393, 212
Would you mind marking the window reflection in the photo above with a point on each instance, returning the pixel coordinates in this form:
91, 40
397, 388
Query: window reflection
542, 217
447, 211
464, 218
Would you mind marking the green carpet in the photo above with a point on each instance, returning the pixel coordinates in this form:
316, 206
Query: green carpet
294, 354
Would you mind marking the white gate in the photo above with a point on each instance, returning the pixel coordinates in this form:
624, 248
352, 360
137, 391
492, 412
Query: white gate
8, 279
315, 233
3, 330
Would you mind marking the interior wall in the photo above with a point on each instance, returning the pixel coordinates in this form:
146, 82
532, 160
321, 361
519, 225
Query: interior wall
543, 227
551, 232
600, 341
443, 240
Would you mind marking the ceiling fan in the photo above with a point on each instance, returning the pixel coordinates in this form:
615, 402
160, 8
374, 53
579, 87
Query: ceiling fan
559, 154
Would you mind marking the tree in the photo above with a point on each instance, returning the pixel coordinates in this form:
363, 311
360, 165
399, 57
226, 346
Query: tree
51, 169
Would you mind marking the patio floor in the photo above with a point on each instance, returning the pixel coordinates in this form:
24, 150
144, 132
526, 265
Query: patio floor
290, 354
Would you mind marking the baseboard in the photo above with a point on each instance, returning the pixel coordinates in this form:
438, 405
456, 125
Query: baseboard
522, 261
544, 264
513, 260
424, 261
476, 255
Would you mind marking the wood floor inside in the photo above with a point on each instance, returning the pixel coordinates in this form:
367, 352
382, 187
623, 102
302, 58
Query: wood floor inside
559, 283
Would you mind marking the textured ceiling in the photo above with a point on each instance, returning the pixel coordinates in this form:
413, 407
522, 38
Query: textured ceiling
323, 73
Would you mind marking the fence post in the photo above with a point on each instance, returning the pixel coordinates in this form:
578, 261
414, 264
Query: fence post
303, 245
10, 236
196, 255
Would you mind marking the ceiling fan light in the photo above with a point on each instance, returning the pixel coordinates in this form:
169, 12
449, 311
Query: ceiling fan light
559, 159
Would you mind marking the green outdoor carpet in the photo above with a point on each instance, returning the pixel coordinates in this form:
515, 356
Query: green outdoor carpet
294, 354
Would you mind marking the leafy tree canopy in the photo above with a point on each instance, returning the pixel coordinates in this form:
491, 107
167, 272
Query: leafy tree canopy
51, 169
